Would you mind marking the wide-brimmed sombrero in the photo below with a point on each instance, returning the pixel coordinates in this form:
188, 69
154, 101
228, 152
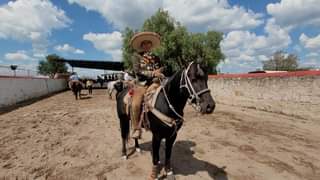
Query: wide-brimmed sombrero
138, 38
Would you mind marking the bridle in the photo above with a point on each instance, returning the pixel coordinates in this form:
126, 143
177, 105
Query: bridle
194, 97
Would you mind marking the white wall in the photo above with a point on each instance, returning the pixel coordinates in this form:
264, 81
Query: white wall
14, 90
295, 96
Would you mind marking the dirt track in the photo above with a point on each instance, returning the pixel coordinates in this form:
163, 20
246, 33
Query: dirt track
60, 138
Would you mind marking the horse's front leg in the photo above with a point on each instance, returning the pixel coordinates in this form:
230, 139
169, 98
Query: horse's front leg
75, 95
110, 94
124, 149
169, 144
136, 145
155, 157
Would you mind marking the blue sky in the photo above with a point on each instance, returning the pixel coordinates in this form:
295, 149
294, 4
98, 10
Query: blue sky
91, 29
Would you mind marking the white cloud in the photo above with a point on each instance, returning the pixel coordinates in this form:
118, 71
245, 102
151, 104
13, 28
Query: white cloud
206, 15
17, 56
200, 16
310, 43
68, 49
109, 43
313, 54
79, 51
122, 13
31, 20
39, 55
311, 62
297, 48
247, 48
291, 13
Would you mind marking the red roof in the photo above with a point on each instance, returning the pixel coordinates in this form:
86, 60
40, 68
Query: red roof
274, 74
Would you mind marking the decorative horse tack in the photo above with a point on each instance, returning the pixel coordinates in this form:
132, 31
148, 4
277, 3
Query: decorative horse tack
150, 99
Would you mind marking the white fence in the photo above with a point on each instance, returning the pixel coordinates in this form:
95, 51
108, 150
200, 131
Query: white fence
14, 90
295, 93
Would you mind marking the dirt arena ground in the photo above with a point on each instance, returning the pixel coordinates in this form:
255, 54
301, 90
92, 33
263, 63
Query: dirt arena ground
61, 138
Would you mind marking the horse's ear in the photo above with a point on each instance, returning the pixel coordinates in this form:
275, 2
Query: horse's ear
199, 63
192, 71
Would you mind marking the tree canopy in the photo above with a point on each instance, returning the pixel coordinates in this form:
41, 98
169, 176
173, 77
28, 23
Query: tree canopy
281, 62
178, 46
50, 66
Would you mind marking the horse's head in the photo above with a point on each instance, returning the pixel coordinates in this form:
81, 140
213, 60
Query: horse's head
195, 79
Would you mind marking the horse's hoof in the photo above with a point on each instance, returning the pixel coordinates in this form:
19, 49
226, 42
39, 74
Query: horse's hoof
154, 173
138, 150
125, 157
169, 173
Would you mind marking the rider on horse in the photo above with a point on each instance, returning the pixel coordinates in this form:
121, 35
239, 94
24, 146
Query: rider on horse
147, 69
73, 78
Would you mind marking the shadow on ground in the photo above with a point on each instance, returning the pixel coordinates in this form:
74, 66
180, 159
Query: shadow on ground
185, 163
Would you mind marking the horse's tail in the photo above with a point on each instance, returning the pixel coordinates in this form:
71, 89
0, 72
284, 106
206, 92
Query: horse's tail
123, 116
125, 127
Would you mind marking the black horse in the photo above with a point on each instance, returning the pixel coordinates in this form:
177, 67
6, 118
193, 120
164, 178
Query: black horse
187, 84
76, 88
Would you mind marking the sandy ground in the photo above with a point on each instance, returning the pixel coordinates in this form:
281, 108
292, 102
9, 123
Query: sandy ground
60, 138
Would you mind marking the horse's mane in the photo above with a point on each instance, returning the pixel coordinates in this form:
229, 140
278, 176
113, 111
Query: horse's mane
172, 80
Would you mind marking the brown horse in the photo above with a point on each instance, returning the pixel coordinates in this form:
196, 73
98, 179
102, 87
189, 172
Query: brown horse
76, 87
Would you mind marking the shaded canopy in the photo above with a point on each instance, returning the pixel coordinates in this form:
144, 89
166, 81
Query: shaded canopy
94, 64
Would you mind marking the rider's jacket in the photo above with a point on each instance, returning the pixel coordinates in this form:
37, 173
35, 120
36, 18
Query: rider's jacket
144, 64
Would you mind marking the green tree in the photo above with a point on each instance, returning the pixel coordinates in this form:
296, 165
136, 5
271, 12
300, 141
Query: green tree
280, 62
127, 50
178, 46
51, 66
